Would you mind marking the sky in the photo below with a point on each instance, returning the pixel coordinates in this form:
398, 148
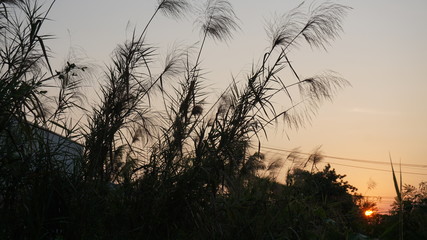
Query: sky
382, 53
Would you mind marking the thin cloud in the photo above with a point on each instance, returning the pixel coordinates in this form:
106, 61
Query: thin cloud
374, 112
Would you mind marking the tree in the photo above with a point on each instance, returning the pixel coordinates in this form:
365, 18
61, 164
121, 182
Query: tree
328, 191
414, 210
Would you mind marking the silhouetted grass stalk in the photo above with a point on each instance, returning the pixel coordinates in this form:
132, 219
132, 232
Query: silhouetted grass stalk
398, 189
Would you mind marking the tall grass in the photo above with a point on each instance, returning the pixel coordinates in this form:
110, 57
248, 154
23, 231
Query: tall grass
190, 173
398, 189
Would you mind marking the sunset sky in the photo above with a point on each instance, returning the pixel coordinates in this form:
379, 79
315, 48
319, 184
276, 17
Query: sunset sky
382, 53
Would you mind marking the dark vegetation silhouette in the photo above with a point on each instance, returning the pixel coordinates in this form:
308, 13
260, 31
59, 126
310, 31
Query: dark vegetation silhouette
408, 215
192, 171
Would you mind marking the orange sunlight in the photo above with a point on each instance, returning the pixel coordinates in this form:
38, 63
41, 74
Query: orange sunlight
369, 213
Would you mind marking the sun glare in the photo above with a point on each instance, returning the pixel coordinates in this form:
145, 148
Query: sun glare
369, 213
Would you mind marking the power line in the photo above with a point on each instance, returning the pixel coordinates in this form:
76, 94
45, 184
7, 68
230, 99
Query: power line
348, 159
377, 169
382, 197
388, 200
356, 160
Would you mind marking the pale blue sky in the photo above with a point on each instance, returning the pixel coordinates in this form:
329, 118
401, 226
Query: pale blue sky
382, 52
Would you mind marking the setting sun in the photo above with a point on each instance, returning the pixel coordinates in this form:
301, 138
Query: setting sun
369, 213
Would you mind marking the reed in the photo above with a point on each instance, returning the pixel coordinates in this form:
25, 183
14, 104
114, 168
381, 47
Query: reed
189, 170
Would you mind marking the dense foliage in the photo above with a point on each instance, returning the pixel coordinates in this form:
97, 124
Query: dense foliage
410, 216
191, 172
